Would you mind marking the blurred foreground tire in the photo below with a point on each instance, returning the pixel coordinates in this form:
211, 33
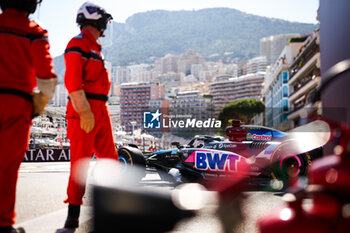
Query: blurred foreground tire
128, 209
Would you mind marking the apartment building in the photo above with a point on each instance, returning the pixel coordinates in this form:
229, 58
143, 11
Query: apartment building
191, 105
166, 64
304, 75
257, 64
134, 100
120, 74
141, 73
60, 96
272, 46
186, 61
242, 68
233, 89
276, 89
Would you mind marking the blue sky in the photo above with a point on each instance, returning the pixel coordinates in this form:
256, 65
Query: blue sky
58, 16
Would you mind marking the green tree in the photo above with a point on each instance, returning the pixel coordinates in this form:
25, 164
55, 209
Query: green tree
243, 110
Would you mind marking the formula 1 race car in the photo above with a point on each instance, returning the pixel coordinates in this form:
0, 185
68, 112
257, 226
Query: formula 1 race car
258, 152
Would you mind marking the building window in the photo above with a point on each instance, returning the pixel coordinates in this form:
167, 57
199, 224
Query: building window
285, 77
285, 105
285, 91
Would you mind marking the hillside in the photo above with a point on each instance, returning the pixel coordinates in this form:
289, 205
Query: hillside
214, 33
208, 31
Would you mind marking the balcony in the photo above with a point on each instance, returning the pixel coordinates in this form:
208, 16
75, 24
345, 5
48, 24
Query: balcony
303, 90
305, 55
301, 82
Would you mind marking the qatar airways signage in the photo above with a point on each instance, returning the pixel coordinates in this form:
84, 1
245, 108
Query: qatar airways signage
155, 120
47, 155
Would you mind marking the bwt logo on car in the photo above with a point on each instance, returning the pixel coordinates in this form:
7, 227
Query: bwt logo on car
151, 120
216, 161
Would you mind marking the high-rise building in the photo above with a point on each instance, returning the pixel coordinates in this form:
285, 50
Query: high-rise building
242, 68
60, 96
256, 64
231, 69
304, 75
276, 89
196, 69
134, 100
166, 64
139, 72
187, 60
120, 74
233, 89
189, 105
272, 46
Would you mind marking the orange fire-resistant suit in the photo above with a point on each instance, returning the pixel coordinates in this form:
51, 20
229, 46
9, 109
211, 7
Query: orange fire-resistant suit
85, 70
24, 59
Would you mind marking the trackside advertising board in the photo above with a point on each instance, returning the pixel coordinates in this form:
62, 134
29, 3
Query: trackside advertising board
47, 155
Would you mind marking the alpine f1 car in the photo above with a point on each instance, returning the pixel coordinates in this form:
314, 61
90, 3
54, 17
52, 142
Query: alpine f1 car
258, 152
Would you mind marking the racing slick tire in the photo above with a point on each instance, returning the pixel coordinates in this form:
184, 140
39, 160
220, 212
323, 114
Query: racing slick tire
132, 162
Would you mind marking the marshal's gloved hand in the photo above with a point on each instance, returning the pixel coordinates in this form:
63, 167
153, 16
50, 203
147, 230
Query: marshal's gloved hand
82, 107
87, 120
46, 90
39, 102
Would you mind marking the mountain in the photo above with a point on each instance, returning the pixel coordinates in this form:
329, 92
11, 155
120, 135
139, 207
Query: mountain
213, 33
153, 34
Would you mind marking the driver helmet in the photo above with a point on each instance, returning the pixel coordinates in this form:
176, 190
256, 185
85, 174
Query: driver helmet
21, 5
94, 15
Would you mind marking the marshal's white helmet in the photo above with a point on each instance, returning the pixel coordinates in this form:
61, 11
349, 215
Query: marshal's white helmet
94, 15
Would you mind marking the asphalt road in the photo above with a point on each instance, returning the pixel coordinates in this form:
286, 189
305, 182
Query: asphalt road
41, 190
